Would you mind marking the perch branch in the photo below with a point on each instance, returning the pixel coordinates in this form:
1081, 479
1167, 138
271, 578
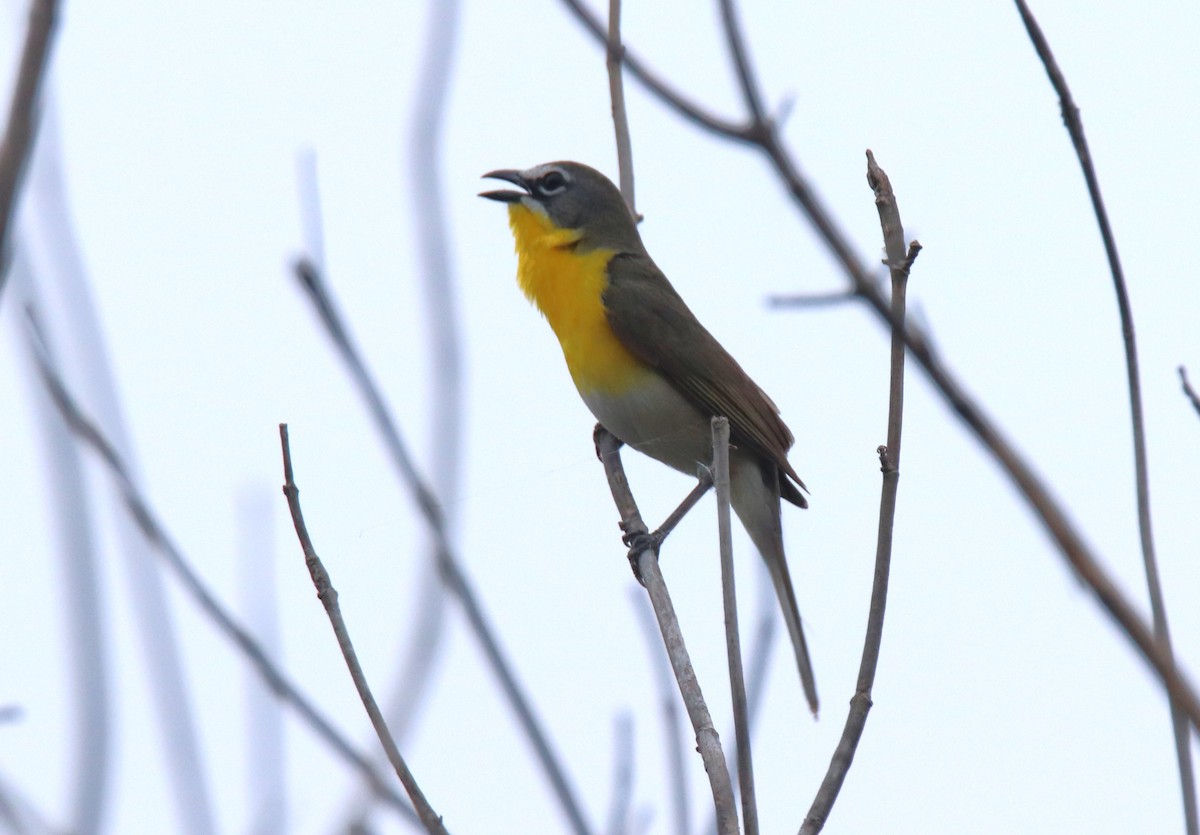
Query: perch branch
643, 554
733, 641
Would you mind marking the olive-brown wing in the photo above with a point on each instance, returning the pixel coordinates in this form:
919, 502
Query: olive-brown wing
654, 323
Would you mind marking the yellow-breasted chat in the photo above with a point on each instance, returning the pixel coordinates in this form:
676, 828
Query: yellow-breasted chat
645, 366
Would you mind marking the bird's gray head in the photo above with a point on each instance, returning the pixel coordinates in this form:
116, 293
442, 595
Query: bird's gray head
573, 196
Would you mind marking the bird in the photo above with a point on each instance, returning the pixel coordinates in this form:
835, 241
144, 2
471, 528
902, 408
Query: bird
650, 373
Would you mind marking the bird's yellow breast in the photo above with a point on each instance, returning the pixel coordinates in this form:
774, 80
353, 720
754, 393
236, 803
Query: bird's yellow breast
567, 287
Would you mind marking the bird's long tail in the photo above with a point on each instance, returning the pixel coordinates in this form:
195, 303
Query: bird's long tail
760, 515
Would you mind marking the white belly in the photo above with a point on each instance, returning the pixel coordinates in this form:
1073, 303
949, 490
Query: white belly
656, 420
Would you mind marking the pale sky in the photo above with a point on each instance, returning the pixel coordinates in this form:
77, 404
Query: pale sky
1005, 701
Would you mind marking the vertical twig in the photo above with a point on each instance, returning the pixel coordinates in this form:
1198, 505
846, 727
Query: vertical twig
889, 460
22, 123
733, 643
329, 598
643, 556
1158, 606
616, 91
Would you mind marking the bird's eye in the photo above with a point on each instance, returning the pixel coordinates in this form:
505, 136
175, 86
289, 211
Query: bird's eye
552, 182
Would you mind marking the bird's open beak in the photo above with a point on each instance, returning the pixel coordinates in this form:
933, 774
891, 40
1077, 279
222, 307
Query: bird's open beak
507, 195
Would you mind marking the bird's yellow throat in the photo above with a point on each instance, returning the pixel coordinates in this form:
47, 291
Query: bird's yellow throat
566, 286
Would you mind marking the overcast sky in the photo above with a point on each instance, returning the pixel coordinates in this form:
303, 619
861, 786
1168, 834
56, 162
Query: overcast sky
1005, 701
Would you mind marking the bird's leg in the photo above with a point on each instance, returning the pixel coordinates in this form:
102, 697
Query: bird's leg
702, 486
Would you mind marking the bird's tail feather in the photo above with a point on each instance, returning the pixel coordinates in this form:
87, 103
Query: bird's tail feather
758, 507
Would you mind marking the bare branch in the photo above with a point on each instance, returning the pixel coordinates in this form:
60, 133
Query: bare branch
1158, 606
329, 598
889, 460
449, 564
733, 641
642, 553
19, 135
158, 537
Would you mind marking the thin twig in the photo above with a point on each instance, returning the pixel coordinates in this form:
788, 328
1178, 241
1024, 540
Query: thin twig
616, 94
1037, 496
664, 684
1158, 606
741, 62
832, 298
329, 598
760, 655
1188, 391
889, 460
453, 574
642, 554
22, 123
158, 537
733, 641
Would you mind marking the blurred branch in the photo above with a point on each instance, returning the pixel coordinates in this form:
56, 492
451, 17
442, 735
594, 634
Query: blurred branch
49, 242
733, 641
156, 534
661, 665
447, 411
19, 815
616, 92
1188, 391
1037, 496
329, 598
453, 575
889, 461
643, 554
19, 135
265, 759
1158, 606
622, 791
71, 513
